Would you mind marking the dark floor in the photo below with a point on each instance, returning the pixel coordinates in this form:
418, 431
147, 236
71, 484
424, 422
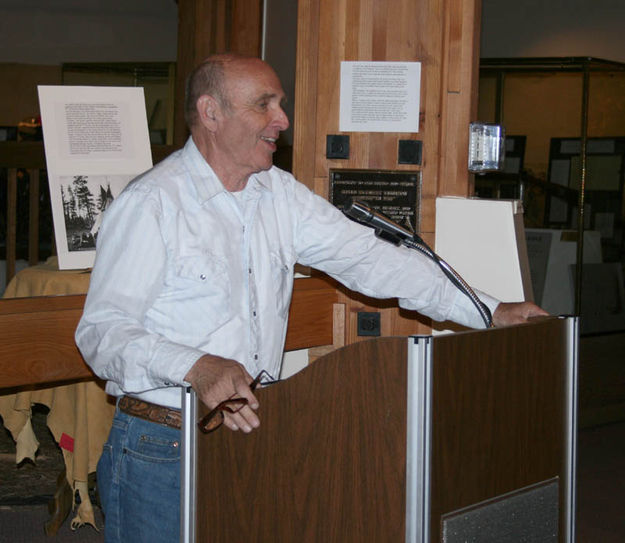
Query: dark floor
601, 484
26, 490
29, 483
24, 524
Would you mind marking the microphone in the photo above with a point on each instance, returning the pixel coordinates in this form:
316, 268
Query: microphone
363, 214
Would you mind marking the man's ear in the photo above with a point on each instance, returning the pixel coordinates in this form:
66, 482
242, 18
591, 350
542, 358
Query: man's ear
207, 110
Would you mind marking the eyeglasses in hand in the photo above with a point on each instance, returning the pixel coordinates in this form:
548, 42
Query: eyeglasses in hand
215, 417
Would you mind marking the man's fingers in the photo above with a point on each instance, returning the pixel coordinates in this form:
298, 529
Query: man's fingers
245, 419
244, 391
516, 313
244, 416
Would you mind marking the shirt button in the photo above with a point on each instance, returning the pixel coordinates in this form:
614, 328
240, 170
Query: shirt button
254, 313
202, 277
255, 357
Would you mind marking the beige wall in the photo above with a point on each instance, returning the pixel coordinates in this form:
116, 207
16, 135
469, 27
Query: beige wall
38, 36
18, 91
542, 106
19, 99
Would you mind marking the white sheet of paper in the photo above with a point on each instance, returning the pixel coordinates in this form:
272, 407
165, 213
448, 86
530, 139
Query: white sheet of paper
96, 140
380, 96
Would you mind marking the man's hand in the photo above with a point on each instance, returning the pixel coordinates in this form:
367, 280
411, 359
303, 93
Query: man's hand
516, 313
216, 379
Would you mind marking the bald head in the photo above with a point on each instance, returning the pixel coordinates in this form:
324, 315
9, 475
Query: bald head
210, 78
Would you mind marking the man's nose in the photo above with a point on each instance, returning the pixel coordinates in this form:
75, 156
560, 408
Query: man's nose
281, 120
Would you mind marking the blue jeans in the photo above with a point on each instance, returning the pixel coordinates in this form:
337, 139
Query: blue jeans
139, 482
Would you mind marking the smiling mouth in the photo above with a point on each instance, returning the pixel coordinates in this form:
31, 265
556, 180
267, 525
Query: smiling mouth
270, 141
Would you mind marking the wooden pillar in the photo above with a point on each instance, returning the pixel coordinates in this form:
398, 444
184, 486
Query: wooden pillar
443, 35
11, 243
460, 74
33, 217
212, 26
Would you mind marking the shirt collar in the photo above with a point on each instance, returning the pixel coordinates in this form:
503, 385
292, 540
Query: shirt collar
206, 182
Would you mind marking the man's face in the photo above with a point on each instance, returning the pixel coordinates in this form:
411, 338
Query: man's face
250, 126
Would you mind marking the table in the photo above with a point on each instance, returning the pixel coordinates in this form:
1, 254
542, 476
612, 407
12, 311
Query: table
80, 414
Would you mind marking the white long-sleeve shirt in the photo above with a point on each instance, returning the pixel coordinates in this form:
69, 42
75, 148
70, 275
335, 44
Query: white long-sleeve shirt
185, 268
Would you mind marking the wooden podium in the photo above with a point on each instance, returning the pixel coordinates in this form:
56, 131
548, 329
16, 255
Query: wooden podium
462, 437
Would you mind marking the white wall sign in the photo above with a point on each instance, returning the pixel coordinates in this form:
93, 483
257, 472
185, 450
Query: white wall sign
380, 96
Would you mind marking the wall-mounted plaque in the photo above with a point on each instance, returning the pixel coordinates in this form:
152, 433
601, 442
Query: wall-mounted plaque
397, 194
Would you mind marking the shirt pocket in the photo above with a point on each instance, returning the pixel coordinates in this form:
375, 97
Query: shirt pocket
201, 288
282, 278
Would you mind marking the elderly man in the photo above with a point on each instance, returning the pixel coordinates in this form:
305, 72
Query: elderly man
193, 279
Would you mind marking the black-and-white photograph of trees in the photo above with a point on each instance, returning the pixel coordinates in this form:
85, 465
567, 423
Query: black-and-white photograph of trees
85, 198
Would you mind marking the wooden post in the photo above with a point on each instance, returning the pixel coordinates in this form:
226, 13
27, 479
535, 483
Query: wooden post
212, 26
11, 251
33, 217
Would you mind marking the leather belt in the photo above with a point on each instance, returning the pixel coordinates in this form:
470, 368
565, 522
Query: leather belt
151, 412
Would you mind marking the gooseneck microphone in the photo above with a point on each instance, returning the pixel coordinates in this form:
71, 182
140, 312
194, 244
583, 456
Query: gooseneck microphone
392, 232
362, 213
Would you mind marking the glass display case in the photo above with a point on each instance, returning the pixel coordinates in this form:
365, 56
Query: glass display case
567, 166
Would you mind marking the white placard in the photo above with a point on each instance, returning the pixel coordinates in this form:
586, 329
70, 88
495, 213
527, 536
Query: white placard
96, 140
484, 241
380, 97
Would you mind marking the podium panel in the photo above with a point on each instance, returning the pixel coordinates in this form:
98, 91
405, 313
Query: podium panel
326, 463
397, 439
500, 417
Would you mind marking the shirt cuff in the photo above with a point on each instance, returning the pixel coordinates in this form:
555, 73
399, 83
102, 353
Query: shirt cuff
464, 311
183, 361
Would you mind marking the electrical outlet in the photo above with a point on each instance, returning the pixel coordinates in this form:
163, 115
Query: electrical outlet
337, 146
409, 152
368, 324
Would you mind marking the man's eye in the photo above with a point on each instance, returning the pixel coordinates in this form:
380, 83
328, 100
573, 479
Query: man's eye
263, 105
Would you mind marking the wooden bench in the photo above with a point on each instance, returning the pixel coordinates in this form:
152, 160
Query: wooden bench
37, 345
